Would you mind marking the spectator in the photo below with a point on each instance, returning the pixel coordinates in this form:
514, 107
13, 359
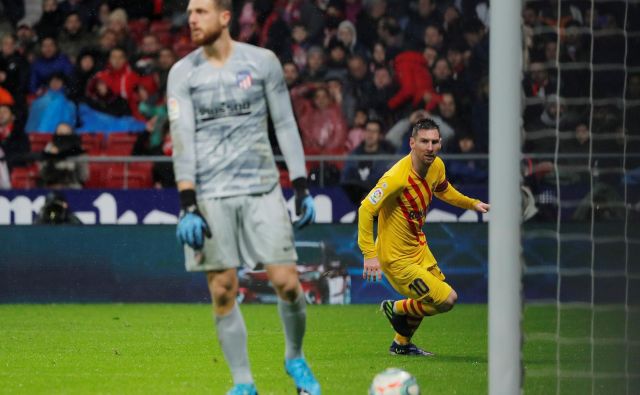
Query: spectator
121, 79
13, 140
27, 40
556, 114
378, 56
430, 54
118, 23
477, 40
341, 96
536, 84
84, 9
450, 122
356, 133
367, 22
145, 61
156, 140
85, 69
14, 73
51, 20
337, 62
300, 44
452, 23
74, 37
52, 108
55, 211
575, 48
352, 9
426, 14
385, 89
434, 37
466, 171
348, 36
59, 170
106, 43
322, 126
51, 61
315, 70
359, 83
390, 34
360, 176
415, 81
291, 74
166, 59
101, 98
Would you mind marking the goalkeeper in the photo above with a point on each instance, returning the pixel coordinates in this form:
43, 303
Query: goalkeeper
400, 200
233, 211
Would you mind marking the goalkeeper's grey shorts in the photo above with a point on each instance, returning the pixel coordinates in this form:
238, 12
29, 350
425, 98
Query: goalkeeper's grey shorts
246, 229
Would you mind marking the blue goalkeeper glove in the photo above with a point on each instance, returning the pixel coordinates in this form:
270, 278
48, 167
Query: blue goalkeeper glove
305, 206
192, 226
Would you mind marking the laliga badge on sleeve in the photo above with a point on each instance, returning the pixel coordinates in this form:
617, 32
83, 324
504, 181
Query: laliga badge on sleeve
173, 108
376, 195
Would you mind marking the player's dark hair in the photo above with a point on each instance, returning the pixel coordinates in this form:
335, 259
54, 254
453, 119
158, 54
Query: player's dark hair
425, 124
226, 5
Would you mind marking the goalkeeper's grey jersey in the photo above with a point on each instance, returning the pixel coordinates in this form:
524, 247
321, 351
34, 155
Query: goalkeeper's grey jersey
218, 118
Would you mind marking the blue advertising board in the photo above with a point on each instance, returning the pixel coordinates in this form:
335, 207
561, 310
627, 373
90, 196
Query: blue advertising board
161, 206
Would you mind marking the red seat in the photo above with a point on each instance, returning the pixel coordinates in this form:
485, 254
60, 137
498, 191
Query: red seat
24, 177
137, 28
141, 166
117, 179
98, 173
161, 25
120, 144
92, 143
39, 141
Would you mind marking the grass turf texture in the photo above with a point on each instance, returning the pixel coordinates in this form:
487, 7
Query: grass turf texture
171, 349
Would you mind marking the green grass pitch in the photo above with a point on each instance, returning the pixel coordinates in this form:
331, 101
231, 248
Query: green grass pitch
172, 349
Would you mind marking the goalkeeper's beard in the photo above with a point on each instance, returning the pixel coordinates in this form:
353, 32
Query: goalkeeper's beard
207, 38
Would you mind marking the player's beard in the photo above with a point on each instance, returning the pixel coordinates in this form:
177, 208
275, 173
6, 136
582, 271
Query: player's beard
207, 38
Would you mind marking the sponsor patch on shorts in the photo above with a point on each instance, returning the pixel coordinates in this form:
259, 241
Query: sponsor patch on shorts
376, 195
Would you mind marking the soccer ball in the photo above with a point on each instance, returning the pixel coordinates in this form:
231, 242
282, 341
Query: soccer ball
394, 381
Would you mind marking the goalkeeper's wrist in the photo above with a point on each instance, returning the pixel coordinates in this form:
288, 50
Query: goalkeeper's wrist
300, 186
188, 202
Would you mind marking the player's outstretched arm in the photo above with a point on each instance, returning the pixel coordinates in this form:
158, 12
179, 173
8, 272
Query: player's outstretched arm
192, 226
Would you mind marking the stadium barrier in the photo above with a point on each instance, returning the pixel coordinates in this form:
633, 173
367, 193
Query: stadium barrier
44, 264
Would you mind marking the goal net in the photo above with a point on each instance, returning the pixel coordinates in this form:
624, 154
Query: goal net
581, 194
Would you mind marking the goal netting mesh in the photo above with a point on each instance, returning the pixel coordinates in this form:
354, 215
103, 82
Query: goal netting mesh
581, 194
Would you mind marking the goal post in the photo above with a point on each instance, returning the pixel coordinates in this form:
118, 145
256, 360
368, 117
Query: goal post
505, 299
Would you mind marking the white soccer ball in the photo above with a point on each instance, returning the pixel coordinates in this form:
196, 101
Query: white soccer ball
394, 381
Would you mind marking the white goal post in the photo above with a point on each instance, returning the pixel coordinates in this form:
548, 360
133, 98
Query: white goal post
505, 299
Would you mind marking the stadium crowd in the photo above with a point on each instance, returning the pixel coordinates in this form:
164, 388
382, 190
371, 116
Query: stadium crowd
360, 72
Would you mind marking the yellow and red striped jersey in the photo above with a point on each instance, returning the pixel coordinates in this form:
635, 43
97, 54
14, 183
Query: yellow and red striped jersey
401, 199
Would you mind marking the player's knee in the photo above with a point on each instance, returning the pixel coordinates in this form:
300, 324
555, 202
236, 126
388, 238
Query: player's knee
223, 294
449, 303
289, 290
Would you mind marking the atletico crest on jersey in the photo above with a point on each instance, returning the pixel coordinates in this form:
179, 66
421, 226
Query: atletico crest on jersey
244, 80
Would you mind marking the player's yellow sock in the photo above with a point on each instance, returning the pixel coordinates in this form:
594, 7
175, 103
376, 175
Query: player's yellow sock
414, 308
401, 340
